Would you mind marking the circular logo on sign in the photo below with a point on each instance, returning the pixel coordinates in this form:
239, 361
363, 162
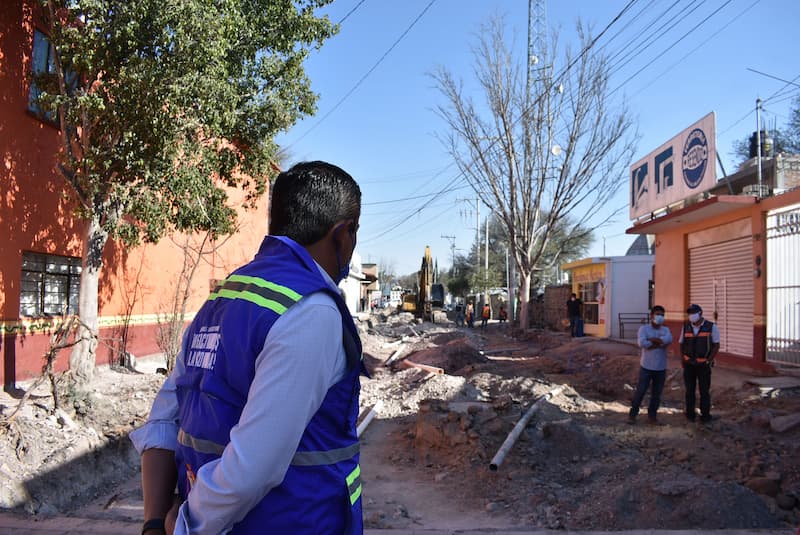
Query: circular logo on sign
695, 158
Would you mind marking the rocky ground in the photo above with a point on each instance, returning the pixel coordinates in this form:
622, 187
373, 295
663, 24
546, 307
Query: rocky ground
450, 397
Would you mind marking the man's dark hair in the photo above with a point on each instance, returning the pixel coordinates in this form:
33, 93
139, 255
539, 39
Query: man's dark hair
656, 309
308, 199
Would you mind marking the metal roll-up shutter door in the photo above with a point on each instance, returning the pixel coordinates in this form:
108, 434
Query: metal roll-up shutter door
721, 281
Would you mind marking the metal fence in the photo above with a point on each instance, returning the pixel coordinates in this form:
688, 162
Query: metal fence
783, 285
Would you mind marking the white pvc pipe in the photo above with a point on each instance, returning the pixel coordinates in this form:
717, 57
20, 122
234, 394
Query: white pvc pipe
368, 418
517, 431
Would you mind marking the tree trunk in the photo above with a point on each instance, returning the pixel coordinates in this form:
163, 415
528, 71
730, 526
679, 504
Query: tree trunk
83, 357
524, 297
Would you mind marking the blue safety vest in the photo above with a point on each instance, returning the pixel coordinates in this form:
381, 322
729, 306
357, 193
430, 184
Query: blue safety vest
321, 491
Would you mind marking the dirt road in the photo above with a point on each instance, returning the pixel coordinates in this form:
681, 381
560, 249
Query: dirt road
425, 458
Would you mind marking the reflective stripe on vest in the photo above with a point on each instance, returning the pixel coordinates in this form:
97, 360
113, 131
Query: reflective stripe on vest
354, 484
315, 458
259, 291
200, 445
688, 333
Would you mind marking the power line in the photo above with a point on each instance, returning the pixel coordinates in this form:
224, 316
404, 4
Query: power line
445, 189
361, 80
746, 115
565, 70
651, 37
670, 47
709, 38
787, 82
414, 197
358, 5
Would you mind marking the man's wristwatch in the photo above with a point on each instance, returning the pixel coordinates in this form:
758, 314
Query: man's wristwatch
154, 524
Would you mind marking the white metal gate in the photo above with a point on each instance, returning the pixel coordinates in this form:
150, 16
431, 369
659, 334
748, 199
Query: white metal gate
721, 281
783, 285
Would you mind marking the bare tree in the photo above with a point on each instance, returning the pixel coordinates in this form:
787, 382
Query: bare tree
195, 249
542, 147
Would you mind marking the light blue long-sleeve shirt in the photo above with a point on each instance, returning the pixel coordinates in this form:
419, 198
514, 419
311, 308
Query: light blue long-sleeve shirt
654, 357
302, 358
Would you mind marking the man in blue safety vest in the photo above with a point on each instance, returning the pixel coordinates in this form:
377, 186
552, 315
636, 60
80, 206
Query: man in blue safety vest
257, 422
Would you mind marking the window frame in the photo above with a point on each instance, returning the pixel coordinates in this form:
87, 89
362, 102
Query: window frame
40, 65
587, 292
49, 285
41, 45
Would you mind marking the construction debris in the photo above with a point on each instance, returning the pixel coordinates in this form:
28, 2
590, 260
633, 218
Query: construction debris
576, 465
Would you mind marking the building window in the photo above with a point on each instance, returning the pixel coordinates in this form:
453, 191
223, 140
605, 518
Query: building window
49, 285
43, 64
588, 292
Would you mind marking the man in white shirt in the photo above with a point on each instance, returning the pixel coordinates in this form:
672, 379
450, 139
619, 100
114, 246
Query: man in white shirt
263, 399
654, 338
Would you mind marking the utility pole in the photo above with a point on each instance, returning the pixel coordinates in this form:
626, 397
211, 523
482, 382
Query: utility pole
486, 256
477, 206
452, 240
758, 142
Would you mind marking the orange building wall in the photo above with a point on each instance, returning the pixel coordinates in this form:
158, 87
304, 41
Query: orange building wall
672, 271
36, 215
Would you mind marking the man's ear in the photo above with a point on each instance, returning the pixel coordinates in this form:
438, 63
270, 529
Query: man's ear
336, 231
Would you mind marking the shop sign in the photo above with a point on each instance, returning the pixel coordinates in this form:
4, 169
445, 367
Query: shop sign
680, 168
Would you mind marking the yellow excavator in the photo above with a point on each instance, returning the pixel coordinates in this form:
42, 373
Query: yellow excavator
430, 298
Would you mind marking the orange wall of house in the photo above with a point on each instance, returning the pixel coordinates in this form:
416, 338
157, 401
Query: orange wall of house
33, 213
672, 266
142, 281
36, 215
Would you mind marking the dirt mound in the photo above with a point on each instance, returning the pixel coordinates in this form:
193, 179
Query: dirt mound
453, 355
54, 461
649, 500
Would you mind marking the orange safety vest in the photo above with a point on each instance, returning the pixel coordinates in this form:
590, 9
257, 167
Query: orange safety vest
697, 347
486, 312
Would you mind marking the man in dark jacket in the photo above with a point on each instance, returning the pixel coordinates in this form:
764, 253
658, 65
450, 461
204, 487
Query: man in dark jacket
699, 345
574, 314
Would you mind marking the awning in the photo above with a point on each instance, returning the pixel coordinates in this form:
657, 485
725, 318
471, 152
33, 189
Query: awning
711, 207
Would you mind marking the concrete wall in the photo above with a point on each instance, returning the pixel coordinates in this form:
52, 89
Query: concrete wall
628, 288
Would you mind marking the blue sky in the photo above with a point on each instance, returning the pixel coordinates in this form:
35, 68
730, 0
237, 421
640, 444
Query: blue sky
376, 114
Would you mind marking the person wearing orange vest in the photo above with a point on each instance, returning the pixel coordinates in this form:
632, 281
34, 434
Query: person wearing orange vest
699, 344
485, 315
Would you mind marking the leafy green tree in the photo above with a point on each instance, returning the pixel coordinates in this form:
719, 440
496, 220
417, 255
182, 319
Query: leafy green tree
783, 140
567, 242
458, 280
161, 104
793, 128
409, 281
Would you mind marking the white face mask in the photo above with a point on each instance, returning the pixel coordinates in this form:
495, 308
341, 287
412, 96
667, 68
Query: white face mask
658, 319
694, 318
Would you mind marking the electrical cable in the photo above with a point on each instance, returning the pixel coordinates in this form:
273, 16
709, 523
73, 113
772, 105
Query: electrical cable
671, 46
358, 5
364, 77
709, 38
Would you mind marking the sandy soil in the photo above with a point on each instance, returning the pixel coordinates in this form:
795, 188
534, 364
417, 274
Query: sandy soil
426, 456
